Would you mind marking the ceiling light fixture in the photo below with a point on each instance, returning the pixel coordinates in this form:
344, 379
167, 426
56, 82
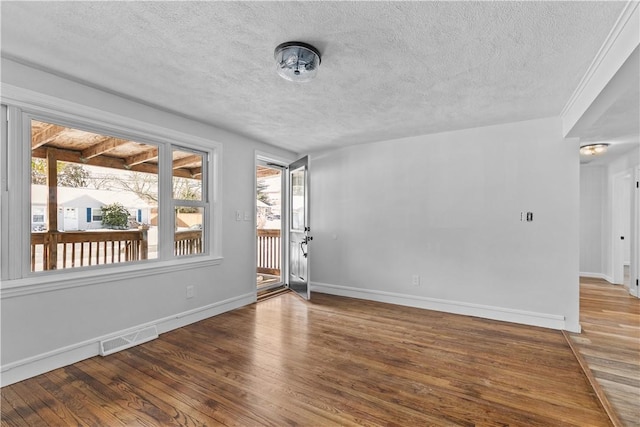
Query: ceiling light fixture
593, 149
297, 61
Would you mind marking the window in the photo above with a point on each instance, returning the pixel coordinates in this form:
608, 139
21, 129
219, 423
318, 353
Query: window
69, 165
188, 202
37, 218
76, 164
96, 215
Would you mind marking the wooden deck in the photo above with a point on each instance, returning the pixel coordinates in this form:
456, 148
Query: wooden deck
330, 361
610, 346
267, 280
69, 249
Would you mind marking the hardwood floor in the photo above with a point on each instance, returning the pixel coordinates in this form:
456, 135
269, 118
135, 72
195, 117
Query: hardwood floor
330, 361
610, 345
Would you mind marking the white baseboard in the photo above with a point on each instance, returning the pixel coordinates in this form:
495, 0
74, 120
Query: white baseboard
544, 320
36, 365
596, 276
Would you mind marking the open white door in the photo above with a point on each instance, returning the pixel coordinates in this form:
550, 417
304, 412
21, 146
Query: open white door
299, 228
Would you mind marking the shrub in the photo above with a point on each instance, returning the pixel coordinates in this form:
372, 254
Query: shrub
115, 216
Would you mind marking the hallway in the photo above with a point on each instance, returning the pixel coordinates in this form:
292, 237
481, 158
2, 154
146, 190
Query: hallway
610, 346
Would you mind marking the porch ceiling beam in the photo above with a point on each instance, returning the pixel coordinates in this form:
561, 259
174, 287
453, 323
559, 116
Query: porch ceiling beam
195, 172
106, 162
186, 161
44, 135
106, 144
142, 157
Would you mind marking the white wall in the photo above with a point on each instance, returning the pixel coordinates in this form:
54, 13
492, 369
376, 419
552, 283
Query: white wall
46, 330
447, 208
593, 196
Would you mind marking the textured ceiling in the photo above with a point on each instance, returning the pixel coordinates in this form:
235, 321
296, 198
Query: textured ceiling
389, 69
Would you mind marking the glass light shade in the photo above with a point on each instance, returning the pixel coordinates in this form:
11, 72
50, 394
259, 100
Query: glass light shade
593, 149
296, 61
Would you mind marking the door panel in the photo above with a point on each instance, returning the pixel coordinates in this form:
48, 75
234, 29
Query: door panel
70, 219
299, 227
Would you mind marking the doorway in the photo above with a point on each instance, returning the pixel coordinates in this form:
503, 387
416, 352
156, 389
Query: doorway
269, 225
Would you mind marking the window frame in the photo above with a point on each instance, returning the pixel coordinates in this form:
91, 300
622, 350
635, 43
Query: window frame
93, 215
43, 214
201, 204
19, 107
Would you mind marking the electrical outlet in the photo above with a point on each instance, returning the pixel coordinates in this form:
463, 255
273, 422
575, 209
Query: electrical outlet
247, 216
190, 291
415, 280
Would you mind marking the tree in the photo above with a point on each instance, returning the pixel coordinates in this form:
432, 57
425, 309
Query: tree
115, 216
38, 171
144, 185
72, 175
69, 174
186, 189
261, 187
100, 181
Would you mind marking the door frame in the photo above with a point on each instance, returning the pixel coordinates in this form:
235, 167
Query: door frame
282, 162
622, 189
634, 268
621, 186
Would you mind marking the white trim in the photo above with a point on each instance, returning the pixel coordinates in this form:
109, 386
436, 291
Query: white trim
617, 225
14, 197
18, 279
267, 157
45, 105
544, 320
264, 157
634, 267
39, 364
284, 161
4, 191
619, 44
65, 279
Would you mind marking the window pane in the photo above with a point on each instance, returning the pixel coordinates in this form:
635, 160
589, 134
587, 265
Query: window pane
96, 215
189, 231
187, 175
37, 218
92, 198
297, 200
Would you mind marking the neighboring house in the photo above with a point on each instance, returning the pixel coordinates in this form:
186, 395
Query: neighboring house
81, 208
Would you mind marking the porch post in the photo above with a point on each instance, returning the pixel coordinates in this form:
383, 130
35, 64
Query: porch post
52, 208
144, 245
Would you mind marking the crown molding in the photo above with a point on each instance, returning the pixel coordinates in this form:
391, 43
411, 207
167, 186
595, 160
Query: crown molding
621, 41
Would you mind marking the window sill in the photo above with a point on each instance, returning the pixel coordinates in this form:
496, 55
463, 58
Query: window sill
70, 279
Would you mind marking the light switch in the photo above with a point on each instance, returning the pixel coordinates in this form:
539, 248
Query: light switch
247, 216
238, 215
